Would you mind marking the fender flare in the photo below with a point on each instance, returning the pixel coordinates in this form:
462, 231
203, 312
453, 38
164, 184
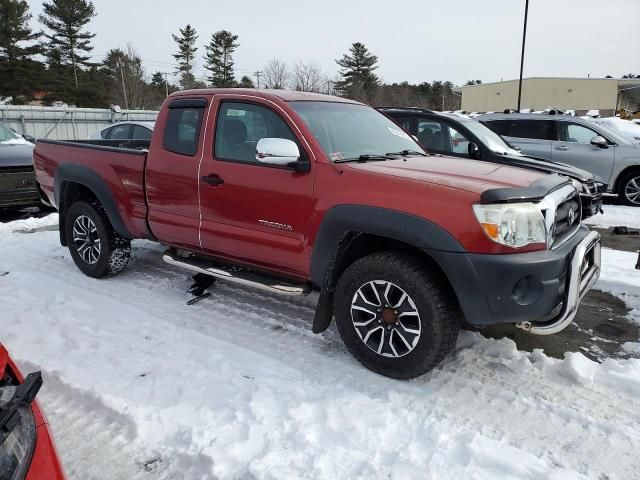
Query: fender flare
392, 224
333, 237
82, 175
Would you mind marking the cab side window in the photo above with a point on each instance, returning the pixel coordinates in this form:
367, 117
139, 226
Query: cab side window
431, 134
574, 133
141, 133
120, 132
182, 130
240, 126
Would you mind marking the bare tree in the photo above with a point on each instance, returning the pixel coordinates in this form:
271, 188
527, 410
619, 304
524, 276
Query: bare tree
307, 77
276, 74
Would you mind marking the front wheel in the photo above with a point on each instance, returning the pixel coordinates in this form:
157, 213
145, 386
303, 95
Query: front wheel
96, 249
629, 189
395, 316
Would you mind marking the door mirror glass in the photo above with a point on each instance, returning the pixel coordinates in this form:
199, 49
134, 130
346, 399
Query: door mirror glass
277, 151
474, 151
599, 141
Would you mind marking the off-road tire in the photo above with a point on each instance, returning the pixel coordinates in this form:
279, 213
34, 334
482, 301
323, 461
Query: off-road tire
115, 250
434, 301
622, 186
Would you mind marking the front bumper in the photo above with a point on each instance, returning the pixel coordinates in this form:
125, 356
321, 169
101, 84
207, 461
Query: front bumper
538, 291
591, 204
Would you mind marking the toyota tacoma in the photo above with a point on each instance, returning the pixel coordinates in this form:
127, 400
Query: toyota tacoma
292, 192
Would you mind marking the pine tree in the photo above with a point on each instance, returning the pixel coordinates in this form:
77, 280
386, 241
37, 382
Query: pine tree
18, 69
219, 58
157, 80
186, 53
358, 79
246, 82
68, 40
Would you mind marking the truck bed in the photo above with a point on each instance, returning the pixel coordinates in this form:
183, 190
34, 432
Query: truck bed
116, 169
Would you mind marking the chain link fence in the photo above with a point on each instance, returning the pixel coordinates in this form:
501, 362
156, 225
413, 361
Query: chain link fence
66, 123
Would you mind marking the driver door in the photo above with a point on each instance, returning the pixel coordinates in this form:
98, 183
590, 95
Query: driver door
573, 147
253, 212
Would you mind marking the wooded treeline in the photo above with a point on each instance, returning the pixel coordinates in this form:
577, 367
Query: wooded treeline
56, 63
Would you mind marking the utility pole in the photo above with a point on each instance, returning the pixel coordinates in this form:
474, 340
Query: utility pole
258, 74
524, 38
124, 87
166, 83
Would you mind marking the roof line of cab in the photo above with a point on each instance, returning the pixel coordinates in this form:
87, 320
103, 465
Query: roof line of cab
284, 95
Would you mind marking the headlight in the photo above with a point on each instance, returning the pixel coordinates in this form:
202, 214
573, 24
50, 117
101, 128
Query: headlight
512, 224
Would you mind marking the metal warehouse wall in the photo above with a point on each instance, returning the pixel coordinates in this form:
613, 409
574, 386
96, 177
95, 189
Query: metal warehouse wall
66, 123
540, 93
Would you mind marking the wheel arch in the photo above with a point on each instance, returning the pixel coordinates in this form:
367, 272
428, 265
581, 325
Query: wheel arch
622, 174
75, 183
350, 232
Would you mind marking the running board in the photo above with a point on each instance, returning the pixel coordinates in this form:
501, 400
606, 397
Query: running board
234, 274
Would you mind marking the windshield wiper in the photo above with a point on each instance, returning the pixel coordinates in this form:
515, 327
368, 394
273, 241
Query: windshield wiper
406, 153
14, 397
366, 158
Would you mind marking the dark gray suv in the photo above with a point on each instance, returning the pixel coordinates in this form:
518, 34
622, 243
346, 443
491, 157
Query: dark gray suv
612, 159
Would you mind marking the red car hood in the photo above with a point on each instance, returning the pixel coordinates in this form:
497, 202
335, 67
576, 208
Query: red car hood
464, 174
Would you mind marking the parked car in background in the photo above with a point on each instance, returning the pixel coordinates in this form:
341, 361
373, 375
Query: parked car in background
125, 131
27, 451
460, 136
610, 157
626, 128
290, 192
18, 187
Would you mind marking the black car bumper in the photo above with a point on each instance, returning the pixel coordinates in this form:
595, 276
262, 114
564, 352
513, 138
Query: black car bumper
591, 204
18, 187
540, 291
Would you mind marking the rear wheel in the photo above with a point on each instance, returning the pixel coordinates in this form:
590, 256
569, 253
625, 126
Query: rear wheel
629, 189
95, 247
395, 316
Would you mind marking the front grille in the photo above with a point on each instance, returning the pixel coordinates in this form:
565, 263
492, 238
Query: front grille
567, 219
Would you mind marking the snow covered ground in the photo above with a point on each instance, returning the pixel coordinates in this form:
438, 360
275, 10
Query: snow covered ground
138, 385
616, 215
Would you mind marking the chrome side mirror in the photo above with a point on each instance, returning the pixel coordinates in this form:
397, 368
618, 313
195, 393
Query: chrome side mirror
277, 151
599, 141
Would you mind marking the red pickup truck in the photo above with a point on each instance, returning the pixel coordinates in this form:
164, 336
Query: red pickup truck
291, 192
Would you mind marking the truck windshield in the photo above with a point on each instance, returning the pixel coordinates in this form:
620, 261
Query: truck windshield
348, 131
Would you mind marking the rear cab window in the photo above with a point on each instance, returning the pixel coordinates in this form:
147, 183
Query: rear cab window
184, 123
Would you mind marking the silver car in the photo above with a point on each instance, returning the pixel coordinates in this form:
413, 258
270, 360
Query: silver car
611, 158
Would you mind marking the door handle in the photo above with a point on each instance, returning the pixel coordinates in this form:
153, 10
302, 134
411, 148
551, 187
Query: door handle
561, 148
213, 180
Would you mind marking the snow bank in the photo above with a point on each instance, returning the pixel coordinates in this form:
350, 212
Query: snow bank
29, 223
236, 386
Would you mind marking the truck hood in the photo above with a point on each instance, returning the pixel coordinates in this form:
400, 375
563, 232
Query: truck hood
548, 166
16, 154
463, 174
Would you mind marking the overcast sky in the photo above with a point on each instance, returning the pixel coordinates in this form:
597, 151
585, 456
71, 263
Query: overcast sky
415, 40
